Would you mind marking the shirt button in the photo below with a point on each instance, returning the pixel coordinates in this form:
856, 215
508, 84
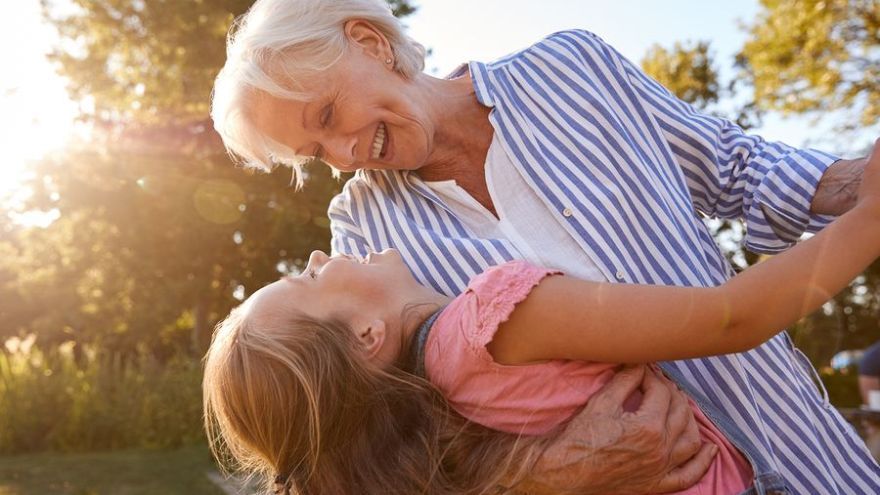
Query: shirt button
619, 275
566, 212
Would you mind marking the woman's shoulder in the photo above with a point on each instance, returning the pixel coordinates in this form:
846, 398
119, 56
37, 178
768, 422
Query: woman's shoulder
563, 43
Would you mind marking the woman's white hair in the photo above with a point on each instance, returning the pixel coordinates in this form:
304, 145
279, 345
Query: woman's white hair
278, 43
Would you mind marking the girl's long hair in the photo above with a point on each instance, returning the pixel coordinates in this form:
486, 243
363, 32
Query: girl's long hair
297, 401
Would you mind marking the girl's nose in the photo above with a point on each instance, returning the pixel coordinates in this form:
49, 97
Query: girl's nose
316, 259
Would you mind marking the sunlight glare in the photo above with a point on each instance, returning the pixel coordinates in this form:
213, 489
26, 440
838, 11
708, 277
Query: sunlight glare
37, 114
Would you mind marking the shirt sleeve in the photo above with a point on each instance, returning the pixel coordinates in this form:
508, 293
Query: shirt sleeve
529, 399
729, 173
495, 294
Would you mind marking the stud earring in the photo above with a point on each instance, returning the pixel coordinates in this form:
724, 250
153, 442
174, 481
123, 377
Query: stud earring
388, 60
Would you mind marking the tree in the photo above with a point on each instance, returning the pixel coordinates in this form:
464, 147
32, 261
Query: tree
148, 248
687, 70
157, 234
816, 56
146, 60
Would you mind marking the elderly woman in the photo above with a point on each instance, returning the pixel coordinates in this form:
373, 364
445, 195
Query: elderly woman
567, 155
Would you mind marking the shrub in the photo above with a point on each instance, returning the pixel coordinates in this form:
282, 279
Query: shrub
51, 401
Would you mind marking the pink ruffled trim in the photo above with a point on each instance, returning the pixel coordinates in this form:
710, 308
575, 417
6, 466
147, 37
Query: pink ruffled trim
498, 290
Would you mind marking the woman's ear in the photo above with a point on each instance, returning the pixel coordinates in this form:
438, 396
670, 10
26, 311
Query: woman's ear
372, 337
368, 38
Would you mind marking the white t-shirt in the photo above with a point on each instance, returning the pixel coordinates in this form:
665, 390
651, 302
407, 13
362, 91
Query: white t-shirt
523, 218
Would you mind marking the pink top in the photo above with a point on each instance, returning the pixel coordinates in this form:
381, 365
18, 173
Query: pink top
535, 399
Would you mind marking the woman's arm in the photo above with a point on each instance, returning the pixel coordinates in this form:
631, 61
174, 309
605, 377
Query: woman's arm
729, 174
567, 318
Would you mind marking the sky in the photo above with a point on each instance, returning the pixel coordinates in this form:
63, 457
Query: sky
36, 116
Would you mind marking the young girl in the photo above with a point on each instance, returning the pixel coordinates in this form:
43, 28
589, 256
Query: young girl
316, 378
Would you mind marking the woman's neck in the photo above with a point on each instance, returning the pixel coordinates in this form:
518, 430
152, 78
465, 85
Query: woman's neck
460, 139
462, 131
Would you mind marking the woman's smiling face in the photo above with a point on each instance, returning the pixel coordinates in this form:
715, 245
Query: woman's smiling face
362, 116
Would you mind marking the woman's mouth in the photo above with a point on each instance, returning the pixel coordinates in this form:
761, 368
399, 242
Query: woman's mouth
380, 142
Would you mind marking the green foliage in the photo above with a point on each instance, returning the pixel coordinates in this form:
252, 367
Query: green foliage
842, 387
816, 55
686, 70
401, 8
58, 401
148, 248
131, 472
149, 60
156, 229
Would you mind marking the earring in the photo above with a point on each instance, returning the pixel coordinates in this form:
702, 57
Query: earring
388, 61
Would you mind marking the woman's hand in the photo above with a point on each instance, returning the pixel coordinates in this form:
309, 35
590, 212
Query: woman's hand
869, 190
605, 449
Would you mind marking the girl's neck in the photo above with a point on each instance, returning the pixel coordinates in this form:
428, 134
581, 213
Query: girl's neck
415, 313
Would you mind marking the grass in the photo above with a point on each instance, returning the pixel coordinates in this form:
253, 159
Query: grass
129, 472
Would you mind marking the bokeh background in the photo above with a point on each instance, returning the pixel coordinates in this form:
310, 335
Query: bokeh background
126, 232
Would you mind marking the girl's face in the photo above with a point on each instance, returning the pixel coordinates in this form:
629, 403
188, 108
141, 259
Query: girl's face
368, 295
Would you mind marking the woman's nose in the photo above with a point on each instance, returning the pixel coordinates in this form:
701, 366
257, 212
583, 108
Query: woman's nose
343, 152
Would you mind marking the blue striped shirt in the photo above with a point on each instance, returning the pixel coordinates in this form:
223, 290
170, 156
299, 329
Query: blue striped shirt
627, 169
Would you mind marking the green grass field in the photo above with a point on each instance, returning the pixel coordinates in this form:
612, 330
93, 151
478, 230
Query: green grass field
131, 472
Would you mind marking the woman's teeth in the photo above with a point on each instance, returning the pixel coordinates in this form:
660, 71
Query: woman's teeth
378, 141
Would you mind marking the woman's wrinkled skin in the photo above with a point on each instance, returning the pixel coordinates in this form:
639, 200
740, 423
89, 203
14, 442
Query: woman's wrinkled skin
435, 126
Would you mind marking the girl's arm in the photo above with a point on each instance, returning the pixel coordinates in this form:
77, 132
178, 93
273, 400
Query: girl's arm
567, 318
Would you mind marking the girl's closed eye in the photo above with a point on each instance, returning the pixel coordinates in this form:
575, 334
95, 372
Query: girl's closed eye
312, 274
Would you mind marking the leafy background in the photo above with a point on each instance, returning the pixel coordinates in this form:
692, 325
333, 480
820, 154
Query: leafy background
106, 311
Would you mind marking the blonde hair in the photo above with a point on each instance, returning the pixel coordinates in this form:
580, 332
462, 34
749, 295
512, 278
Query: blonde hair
276, 44
296, 400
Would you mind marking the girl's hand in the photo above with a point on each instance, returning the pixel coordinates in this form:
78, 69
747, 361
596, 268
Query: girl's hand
869, 190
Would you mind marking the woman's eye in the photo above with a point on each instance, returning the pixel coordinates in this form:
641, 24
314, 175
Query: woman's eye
313, 274
326, 115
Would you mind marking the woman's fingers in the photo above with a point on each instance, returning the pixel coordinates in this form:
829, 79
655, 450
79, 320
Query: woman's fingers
682, 428
680, 432
657, 397
689, 473
624, 383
